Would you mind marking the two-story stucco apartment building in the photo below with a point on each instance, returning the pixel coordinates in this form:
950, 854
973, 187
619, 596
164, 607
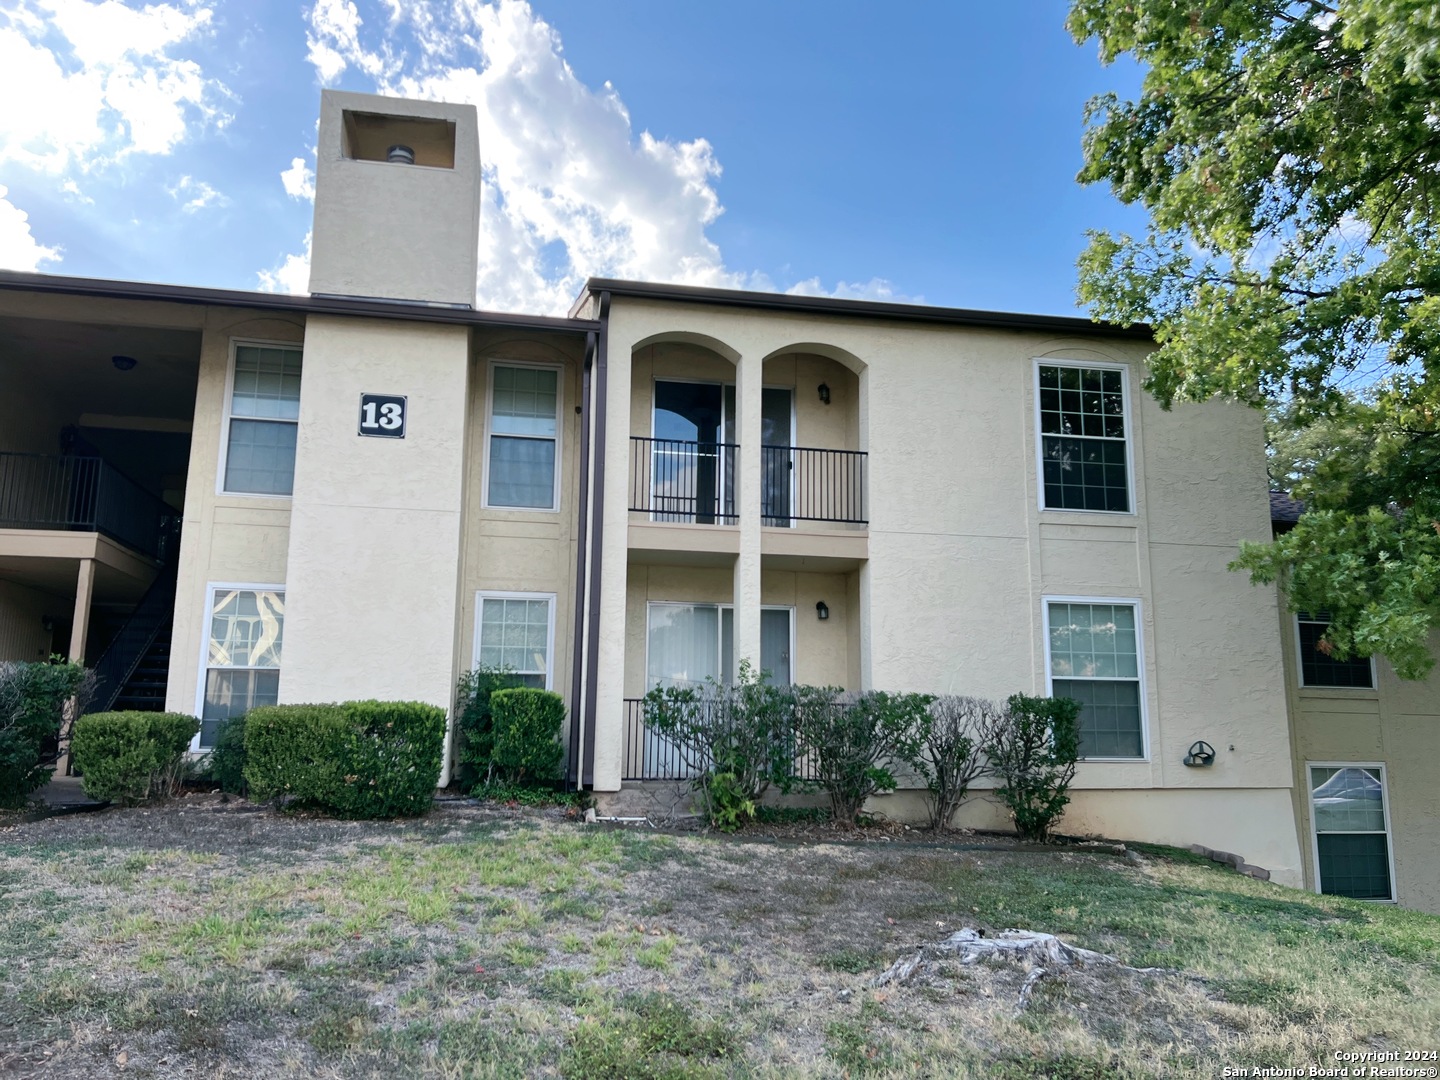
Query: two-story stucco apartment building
224, 499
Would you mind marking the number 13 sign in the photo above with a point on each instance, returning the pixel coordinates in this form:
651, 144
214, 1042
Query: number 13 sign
383, 415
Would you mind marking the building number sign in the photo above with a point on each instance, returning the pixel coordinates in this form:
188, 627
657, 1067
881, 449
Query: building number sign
383, 415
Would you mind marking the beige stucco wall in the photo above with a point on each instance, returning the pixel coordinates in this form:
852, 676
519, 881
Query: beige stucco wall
225, 539
530, 551
22, 616
1396, 725
374, 555
960, 557
406, 232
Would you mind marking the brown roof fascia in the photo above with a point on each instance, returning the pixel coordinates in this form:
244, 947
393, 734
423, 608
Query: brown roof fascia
863, 309
306, 305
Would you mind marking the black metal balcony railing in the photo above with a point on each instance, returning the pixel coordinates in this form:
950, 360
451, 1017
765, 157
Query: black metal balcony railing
650, 756
39, 491
675, 480
801, 483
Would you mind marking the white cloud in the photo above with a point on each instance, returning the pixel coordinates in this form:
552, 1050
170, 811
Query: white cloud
71, 188
874, 289
570, 190
19, 250
99, 80
290, 275
299, 180
193, 195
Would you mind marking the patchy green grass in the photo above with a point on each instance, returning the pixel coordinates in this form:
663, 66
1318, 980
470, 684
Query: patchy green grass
481, 942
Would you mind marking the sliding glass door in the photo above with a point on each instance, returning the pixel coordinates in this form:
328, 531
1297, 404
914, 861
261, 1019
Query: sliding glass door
777, 437
692, 464
688, 644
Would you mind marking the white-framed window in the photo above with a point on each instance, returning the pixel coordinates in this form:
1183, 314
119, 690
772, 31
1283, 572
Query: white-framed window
1093, 654
1082, 435
522, 437
262, 415
690, 643
1318, 668
240, 661
1350, 821
515, 631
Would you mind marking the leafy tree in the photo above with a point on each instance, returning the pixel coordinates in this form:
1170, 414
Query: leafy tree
1287, 153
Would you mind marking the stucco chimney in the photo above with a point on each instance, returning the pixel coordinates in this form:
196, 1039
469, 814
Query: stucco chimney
390, 228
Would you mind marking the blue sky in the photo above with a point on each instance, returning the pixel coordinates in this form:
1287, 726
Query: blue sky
922, 151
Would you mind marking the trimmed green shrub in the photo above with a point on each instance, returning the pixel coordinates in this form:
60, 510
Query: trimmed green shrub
393, 754
1033, 753
227, 759
526, 727
474, 726
360, 759
292, 752
32, 712
854, 741
127, 757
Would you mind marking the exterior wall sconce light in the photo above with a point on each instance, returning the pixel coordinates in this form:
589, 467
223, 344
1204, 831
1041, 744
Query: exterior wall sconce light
822, 611
123, 363
400, 155
1201, 754
824, 394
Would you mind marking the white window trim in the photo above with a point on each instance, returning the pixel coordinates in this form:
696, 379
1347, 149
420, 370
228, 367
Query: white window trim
1124, 369
211, 588
490, 594
559, 370
1133, 602
224, 454
1372, 690
1378, 766
722, 607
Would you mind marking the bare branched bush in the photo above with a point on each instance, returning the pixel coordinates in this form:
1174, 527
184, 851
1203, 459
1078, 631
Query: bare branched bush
961, 730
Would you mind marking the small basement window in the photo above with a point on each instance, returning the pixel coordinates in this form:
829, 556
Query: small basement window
369, 137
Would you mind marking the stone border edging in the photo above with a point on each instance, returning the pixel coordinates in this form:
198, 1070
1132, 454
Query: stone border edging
1237, 862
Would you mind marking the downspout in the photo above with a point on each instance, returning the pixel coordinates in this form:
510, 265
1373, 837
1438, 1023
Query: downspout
592, 675
572, 772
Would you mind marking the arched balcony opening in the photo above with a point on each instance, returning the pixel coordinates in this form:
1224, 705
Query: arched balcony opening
684, 452
812, 456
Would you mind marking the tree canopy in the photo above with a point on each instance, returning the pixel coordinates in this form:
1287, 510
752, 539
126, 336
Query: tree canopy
1288, 155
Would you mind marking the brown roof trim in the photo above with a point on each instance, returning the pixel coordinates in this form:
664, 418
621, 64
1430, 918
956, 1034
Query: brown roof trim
307, 305
864, 309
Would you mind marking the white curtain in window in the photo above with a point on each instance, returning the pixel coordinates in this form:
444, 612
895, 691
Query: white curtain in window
684, 644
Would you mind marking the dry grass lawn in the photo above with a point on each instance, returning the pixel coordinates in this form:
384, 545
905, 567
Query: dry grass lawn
214, 939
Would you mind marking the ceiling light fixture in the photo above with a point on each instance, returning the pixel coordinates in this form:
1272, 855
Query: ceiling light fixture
123, 363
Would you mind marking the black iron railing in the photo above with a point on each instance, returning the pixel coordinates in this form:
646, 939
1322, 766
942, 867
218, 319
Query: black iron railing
39, 491
801, 483
676, 480
650, 756
122, 656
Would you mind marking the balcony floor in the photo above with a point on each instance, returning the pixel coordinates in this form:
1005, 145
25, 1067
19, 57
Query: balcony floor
48, 559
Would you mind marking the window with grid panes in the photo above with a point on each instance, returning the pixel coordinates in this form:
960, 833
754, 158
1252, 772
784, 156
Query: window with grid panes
264, 415
242, 662
514, 635
1082, 438
1352, 846
1319, 668
524, 425
1094, 658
